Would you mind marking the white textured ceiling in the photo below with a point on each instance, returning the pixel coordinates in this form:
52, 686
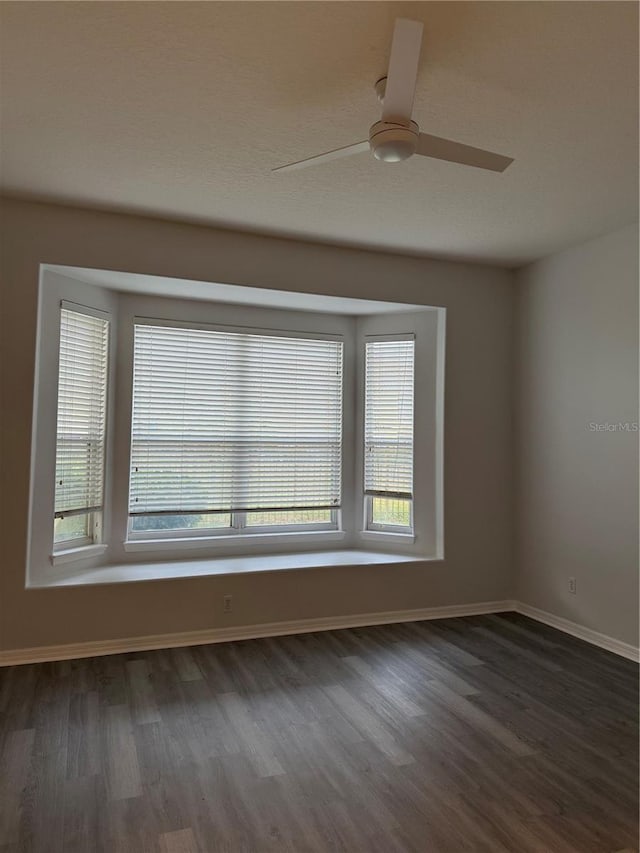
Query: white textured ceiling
181, 110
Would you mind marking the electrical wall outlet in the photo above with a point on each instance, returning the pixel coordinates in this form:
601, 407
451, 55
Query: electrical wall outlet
572, 586
227, 604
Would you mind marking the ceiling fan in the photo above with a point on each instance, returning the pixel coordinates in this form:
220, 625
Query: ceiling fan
396, 137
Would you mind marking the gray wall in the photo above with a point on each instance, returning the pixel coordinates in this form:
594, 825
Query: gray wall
478, 427
577, 487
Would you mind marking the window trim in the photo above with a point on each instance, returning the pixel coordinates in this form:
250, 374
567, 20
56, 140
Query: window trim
309, 537
73, 555
389, 537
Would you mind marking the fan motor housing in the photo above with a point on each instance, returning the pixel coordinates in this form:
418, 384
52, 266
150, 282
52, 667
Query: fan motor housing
392, 141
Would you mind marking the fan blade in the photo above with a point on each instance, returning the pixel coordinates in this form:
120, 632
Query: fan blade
324, 158
403, 70
456, 152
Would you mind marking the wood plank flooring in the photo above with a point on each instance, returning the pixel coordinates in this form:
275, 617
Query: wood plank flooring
488, 733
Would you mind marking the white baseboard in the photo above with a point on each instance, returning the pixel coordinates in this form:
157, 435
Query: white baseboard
305, 626
594, 637
245, 632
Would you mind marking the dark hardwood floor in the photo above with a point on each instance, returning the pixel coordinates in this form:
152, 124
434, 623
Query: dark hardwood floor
488, 733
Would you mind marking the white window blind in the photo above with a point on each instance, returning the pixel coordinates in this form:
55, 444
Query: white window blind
229, 421
81, 420
388, 421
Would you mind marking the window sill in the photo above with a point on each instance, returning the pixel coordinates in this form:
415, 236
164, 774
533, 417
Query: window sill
387, 536
247, 540
136, 572
72, 555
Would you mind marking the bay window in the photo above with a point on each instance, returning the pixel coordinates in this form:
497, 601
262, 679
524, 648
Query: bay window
190, 430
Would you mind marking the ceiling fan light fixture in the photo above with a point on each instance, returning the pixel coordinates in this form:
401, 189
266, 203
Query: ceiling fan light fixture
393, 142
396, 138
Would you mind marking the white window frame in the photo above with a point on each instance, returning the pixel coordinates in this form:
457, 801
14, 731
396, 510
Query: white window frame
94, 517
93, 523
376, 527
238, 528
334, 523
42, 550
369, 526
427, 534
